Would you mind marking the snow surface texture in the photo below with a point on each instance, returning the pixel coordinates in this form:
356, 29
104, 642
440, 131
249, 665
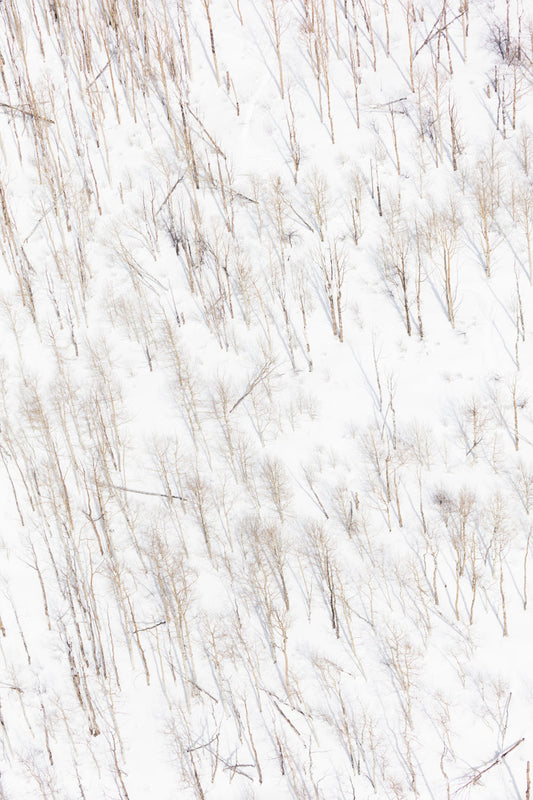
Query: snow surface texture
265, 432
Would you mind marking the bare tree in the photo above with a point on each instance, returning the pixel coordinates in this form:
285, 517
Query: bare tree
333, 269
396, 252
274, 7
207, 9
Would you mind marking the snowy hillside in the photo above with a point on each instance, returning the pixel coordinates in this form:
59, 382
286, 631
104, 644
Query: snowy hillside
266, 428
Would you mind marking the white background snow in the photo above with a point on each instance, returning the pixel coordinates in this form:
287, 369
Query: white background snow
265, 423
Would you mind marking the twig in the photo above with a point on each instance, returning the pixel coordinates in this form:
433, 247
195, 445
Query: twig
9, 686
478, 441
243, 197
284, 702
44, 214
200, 746
388, 104
199, 121
215, 700
234, 769
261, 375
100, 73
168, 195
431, 35
496, 761
152, 494
285, 717
142, 274
27, 113
150, 627
309, 228
315, 495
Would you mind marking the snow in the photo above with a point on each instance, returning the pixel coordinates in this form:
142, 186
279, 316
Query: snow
257, 539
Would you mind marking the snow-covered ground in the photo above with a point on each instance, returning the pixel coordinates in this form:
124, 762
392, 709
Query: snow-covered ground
266, 434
